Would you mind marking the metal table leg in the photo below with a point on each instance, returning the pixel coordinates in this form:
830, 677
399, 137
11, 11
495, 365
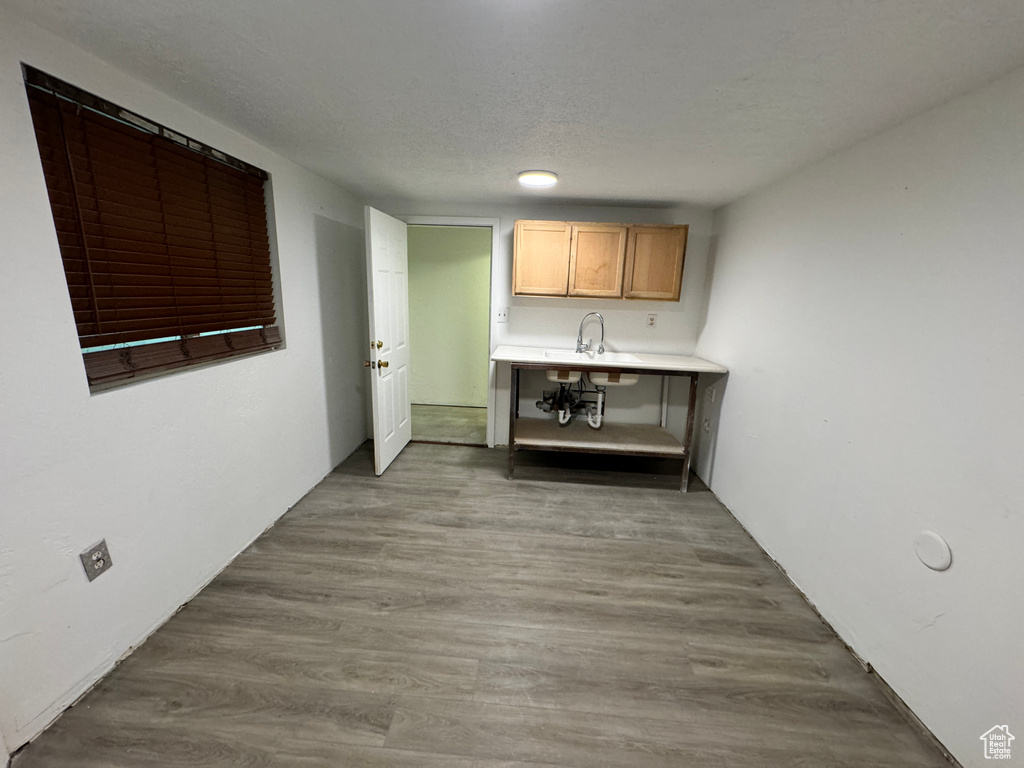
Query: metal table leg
691, 406
513, 413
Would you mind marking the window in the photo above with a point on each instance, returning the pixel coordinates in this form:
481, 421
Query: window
164, 240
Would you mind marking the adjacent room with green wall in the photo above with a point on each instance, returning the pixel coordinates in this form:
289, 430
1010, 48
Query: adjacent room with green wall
449, 289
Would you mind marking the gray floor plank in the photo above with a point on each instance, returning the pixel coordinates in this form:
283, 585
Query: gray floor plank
449, 424
586, 614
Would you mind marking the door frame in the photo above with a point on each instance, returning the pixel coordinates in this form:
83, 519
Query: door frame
495, 225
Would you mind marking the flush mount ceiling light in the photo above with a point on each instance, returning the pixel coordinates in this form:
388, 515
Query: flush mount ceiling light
538, 178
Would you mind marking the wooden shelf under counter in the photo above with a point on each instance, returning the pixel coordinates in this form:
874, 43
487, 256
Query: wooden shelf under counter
628, 439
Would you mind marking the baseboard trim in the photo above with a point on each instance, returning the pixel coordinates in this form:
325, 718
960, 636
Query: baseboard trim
449, 442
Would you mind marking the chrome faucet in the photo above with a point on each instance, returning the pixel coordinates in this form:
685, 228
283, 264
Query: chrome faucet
580, 346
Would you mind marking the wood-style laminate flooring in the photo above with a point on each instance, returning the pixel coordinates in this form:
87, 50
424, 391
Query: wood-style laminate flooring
452, 424
442, 616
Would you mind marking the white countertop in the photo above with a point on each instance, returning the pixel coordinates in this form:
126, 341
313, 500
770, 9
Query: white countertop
562, 358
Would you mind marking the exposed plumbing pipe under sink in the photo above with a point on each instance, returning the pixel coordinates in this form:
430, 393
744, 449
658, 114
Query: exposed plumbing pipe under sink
568, 404
594, 413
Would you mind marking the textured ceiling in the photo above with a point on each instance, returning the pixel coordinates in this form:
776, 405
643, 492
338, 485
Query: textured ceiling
629, 101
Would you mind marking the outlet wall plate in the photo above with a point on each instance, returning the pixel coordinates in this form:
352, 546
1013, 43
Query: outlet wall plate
96, 560
502, 315
652, 319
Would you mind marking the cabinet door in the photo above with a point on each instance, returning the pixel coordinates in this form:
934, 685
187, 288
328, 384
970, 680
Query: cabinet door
654, 263
540, 263
596, 259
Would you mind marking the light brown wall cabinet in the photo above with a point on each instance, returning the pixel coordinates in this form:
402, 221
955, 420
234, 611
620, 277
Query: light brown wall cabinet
596, 260
654, 263
597, 255
545, 270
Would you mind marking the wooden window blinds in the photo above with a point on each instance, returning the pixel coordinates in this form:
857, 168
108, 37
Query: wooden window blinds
161, 243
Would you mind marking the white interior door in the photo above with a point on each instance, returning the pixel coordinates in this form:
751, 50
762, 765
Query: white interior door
387, 270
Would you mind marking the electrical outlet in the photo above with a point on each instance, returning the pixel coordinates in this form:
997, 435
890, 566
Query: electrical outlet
96, 560
706, 426
652, 319
503, 315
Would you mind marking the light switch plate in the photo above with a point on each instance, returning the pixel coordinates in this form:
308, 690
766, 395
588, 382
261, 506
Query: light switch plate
96, 560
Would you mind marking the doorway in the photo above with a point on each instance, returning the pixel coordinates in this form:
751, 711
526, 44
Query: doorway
449, 332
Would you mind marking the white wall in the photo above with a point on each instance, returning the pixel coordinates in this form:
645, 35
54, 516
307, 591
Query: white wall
554, 322
178, 474
871, 312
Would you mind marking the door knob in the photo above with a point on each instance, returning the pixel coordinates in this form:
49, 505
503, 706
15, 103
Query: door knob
380, 344
367, 364
382, 364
